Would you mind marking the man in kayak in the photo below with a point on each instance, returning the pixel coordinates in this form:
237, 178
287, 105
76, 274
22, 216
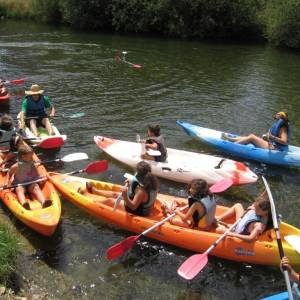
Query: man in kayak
156, 142
253, 221
202, 207
33, 110
277, 138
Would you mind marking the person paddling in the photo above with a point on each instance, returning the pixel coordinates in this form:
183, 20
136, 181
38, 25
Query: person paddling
155, 141
254, 220
3, 90
277, 138
23, 171
293, 275
33, 110
202, 206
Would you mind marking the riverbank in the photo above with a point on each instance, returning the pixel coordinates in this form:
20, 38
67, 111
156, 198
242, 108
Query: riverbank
9, 251
276, 21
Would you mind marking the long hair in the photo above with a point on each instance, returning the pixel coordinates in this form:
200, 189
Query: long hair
201, 188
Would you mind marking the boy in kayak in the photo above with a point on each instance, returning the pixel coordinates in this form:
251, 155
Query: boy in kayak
202, 206
277, 138
33, 110
253, 221
24, 171
156, 142
139, 194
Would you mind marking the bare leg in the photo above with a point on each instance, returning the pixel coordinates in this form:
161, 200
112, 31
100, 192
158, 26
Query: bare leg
33, 127
147, 156
20, 191
93, 190
36, 191
48, 126
236, 210
251, 138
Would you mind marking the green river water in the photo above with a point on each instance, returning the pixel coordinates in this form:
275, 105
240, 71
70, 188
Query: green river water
235, 87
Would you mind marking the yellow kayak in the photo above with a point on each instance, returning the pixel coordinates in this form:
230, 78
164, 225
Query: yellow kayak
42, 220
263, 251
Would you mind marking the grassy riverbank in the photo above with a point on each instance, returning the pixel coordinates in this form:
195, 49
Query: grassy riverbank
9, 250
18, 9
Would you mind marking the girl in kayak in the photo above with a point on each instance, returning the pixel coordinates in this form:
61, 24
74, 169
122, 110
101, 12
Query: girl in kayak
156, 142
253, 221
277, 138
294, 276
139, 194
24, 171
202, 206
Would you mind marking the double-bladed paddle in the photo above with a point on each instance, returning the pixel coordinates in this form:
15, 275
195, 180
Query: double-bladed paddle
278, 238
119, 249
15, 81
71, 116
195, 263
92, 168
5, 187
67, 158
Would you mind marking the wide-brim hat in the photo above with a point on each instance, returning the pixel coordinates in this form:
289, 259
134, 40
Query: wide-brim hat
35, 89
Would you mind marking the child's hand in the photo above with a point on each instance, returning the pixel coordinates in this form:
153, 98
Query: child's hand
286, 264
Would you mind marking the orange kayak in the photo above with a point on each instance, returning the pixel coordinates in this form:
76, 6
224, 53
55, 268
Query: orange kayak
263, 251
42, 220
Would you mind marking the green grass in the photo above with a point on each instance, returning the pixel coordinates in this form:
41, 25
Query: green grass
9, 251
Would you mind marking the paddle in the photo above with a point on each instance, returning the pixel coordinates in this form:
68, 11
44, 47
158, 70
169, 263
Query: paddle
119, 249
278, 238
71, 116
129, 63
15, 81
294, 241
51, 142
92, 168
67, 158
195, 263
4, 187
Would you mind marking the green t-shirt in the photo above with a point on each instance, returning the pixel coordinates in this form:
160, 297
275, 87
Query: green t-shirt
47, 101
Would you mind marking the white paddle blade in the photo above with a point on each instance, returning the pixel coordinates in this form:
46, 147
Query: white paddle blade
138, 138
153, 152
74, 156
294, 241
128, 176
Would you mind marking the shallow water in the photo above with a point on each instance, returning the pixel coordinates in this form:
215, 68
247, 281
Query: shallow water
235, 87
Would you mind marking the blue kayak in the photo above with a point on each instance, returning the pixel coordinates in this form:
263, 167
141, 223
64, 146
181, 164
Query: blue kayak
289, 158
280, 296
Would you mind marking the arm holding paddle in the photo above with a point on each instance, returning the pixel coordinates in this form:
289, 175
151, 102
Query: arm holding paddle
294, 276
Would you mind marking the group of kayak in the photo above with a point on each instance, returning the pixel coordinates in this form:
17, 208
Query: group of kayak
30, 192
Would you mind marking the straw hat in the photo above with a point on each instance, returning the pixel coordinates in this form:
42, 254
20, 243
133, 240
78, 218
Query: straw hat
34, 90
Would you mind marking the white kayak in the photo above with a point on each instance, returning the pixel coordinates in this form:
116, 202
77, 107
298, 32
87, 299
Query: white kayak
44, 136
181, 166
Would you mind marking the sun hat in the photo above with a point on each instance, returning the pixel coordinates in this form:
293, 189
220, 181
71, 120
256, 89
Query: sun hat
35, 89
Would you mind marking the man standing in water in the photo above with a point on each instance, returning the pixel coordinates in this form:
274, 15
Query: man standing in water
33, 109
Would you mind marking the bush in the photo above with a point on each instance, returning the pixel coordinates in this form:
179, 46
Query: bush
281, 21
9, 251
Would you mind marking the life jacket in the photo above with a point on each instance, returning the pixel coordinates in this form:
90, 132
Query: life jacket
275, 130
7, 135
35, 108
26, 172
159, 140
246, 220
209, 205
144, 208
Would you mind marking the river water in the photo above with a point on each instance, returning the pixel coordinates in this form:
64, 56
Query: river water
235, 87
